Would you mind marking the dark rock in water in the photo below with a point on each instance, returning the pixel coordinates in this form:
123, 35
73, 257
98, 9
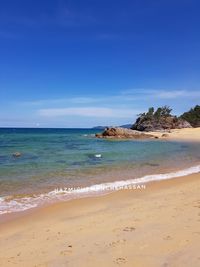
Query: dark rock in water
122, 133
17, 154
159, 120
95, 157
98, 135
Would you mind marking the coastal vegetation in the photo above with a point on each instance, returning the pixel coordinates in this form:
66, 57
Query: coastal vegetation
158, 120
192, 116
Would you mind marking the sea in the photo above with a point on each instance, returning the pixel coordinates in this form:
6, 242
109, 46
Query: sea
63, 164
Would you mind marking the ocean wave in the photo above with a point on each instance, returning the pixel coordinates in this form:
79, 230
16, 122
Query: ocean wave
11, 204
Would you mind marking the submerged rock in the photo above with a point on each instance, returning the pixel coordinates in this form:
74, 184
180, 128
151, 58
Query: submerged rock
122, 133
16, 154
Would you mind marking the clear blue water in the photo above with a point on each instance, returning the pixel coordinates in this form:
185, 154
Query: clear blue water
52, 158
65, 158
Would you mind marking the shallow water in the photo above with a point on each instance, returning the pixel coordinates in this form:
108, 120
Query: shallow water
57, 158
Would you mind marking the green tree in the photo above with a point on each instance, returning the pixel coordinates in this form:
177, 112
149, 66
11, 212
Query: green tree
192, 116
157, 113
150, 112
166, 111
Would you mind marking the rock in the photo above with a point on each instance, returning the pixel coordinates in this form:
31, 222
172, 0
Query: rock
181, 123
122, 133
165, 135
17, 154
163, 123
98, 135
192, 116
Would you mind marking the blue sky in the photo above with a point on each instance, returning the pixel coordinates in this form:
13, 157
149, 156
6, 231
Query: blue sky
85, 63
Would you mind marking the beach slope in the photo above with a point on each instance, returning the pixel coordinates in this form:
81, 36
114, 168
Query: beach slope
156, 226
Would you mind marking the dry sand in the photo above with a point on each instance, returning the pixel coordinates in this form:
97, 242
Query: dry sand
158, 226
186, 134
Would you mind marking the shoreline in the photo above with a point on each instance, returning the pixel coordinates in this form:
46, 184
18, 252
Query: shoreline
157, 226
105, 230
178, 135
31, 203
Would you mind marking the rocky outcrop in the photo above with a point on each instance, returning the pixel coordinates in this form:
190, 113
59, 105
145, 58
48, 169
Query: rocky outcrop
192, 116
123, 133
159, 120
165, 123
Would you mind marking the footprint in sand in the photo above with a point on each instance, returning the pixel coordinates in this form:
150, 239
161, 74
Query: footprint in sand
129, 229
120, 261
67, 251
118, 242
167, 237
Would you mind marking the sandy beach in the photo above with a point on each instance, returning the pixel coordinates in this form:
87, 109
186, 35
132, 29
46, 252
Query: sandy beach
156, 226
185, 134
99, 133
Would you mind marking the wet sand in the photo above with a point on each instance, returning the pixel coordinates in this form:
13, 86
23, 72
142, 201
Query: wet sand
158, 226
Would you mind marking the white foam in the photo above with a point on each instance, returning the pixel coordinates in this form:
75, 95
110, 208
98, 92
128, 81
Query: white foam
9, 205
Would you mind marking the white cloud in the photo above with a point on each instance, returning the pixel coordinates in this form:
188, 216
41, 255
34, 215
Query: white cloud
164, 94
122, 98
61, 101
88, 110
159, 93
100, 112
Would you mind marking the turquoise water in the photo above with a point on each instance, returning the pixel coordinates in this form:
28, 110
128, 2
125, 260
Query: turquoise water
56, 158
